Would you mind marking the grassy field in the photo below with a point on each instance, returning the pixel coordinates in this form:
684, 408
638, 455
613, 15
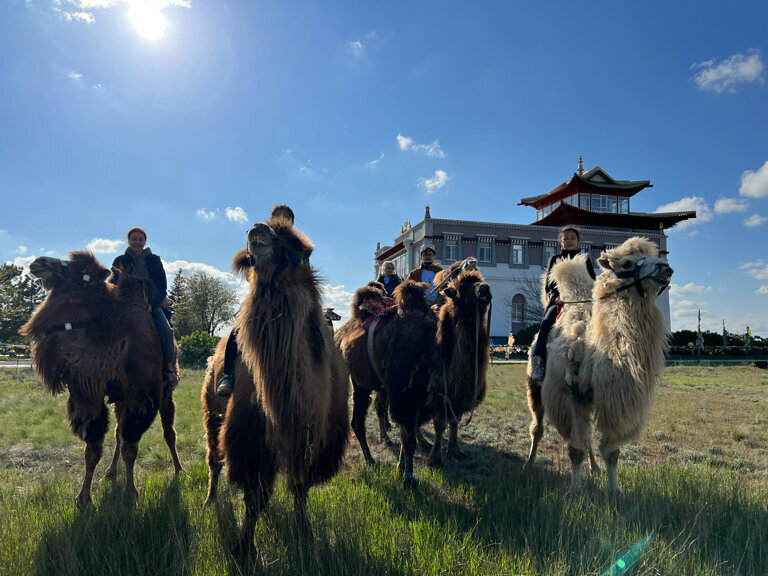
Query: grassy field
696, 486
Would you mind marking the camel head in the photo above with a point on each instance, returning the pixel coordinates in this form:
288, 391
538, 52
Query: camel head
636, 262
371, 290
80, 270
469, 290
411, 296
272, 247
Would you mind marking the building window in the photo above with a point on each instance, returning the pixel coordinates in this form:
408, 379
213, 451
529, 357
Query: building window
451, 249
517, 254
603, 203
485, 250
584, 201
572, 200
623, 205
549, 250
518, 308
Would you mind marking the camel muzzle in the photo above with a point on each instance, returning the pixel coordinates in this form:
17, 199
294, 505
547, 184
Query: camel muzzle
260, 239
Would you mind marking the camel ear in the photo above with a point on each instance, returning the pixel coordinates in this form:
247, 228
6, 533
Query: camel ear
450, 292
102, 275
241, 261
605, 264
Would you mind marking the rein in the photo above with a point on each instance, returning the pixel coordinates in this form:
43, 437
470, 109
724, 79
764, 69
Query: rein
635, 273
466, 264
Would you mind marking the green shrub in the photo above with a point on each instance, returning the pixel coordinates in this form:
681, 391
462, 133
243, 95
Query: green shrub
195, 349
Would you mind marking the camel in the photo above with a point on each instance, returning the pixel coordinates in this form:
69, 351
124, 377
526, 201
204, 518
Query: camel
605, 357
397, 361
98, 341
289, 407
458, 380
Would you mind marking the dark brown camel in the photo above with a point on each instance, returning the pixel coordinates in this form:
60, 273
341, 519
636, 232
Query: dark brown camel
99, 341
458, 381
402, 356
289, 408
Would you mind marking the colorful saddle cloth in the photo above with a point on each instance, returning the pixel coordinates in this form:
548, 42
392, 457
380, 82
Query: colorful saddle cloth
382, 308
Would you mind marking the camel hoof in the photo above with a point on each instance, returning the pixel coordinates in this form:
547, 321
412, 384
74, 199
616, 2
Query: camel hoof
130, 497
456, 454
180, 472
209, 499
424, 445
385, 441
244, 551
528, 467
110, 474
409, 483
435, 461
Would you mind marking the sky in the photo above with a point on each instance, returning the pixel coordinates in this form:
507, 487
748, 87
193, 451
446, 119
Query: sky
191, 118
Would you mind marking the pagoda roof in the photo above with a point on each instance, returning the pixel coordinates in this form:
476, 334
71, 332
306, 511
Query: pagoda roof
595, 180
567, 214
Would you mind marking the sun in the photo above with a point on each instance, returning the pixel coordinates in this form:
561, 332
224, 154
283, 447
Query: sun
148, 20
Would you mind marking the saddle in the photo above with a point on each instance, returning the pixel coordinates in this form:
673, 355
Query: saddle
381, 309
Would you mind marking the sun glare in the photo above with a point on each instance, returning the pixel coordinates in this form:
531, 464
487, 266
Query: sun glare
147, 20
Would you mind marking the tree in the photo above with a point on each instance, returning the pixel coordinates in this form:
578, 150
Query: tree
176, 291
20, 294
533, 311
204, 304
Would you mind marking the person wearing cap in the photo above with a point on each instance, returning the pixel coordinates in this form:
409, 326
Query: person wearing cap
428, 269
226, 385
569, 239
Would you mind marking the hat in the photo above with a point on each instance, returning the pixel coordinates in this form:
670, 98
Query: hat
427, 247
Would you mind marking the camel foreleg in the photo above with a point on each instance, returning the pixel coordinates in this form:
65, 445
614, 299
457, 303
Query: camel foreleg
580, 442
610, 453
111, 473
407, 450
130, 451
453, 450
361, 398
93, 451
167, 418
213, 456
301, 508
90, 423
255, 498
537, 421
436, 454
381, 413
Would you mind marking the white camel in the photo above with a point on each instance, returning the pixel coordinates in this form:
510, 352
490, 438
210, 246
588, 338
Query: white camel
605, 356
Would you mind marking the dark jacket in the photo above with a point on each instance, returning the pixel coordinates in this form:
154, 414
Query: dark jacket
551, 289
394, 282
125, 263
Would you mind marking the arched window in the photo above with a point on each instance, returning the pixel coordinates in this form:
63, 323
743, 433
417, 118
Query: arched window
518, 308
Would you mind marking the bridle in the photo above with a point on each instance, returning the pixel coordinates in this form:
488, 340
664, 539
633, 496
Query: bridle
634, 274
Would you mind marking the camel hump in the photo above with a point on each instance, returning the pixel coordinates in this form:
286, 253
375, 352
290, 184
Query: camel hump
411, 296
573, 279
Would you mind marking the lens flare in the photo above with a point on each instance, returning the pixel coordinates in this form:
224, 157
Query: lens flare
148, 20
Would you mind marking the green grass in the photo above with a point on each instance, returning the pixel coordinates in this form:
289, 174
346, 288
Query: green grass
695, 483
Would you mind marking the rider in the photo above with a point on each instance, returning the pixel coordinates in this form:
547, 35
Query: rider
226, 384
428, 269
570, 239
141, 261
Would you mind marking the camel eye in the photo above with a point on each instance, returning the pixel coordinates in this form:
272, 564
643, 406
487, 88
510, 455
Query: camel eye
628, 264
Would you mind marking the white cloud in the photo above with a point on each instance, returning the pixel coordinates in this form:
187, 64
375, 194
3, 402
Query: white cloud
434, 184
236, 214
374, 162
21, 249
76, 76
703, 211
356, 48
237, 283
762, 290
84, 8
105, 246
86, 17
758, 270
432, 150
727, 205
725, 76
206, 215
338, 298
755, 184
755, 220
688, 289
24, 261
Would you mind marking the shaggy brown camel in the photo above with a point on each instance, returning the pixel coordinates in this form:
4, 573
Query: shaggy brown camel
604, 359
402, 355
458, 380
289, 408
97, 341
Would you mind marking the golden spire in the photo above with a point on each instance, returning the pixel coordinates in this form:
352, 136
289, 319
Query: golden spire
581, 166
378, 246
426, 214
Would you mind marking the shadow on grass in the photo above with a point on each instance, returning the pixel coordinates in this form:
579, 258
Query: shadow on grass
152, 538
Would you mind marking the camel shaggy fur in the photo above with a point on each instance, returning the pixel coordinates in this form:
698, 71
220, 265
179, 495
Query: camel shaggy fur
605, 358
97, 341
289, 408
458, 379
403, 349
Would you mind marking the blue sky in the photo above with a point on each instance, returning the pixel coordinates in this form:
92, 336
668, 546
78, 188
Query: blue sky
192, 118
